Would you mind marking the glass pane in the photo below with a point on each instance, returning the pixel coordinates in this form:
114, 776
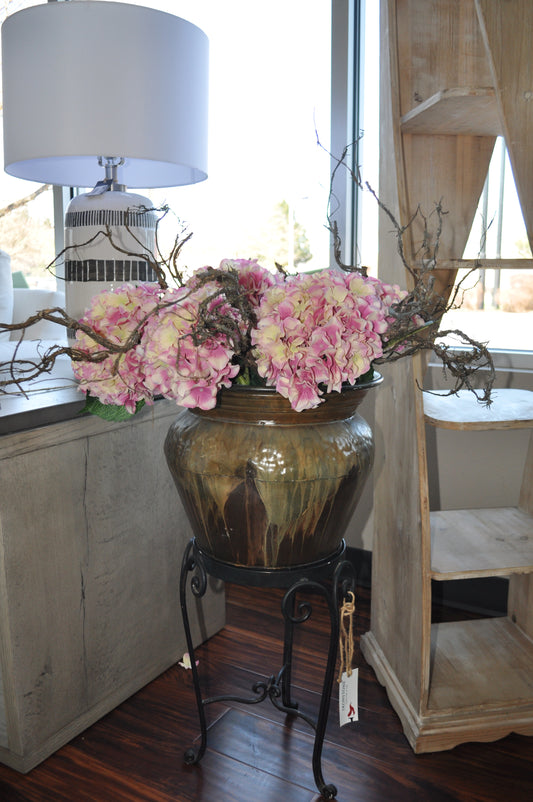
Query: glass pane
370, 136
26, 213
498, 304
269, 97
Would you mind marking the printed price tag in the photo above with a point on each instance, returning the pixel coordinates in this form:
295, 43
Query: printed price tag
348, 698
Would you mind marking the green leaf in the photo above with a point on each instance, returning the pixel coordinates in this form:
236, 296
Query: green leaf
366, 377
109, 412
243, 378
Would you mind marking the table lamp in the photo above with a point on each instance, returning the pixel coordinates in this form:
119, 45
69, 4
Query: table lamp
104, 94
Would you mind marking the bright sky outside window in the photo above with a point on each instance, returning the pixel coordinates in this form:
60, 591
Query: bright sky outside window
369, 146
498, 307
26, 232
269, 97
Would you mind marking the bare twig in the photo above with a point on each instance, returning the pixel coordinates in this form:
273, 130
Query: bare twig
24, 201
417, 317
413, 326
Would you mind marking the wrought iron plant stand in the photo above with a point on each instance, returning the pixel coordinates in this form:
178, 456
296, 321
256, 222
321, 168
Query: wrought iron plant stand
332, 577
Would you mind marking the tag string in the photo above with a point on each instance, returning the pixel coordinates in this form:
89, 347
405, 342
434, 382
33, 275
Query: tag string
346, 635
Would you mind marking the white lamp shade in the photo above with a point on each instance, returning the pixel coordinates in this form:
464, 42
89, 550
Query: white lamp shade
84, 79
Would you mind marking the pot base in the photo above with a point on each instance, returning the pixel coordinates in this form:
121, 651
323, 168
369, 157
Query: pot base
264, 577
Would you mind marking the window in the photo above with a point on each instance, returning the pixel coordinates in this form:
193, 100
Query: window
498, 304
268, 188
26, 213
272, 93
269, 99
369, 157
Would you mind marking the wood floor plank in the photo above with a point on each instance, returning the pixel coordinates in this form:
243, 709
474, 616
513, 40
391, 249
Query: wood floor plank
378, 740
218, 778
288, 754
135, 754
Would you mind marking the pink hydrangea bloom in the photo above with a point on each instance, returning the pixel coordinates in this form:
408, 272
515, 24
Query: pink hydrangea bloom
252, 277
114, 314
314, 332
176, 366
319, 330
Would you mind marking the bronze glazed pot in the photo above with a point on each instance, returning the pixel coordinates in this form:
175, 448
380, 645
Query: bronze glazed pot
263, 485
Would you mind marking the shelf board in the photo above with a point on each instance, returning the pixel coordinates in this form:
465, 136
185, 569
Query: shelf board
510, 409
459, 110
468, 544
480, 666
500, 703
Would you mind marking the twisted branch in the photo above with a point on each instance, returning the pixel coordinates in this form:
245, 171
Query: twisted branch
417, 317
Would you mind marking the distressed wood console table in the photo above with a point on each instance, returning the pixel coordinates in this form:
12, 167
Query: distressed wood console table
91, 537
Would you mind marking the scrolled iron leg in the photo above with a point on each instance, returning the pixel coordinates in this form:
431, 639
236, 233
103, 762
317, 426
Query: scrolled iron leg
340, 585
339, 589
297, 614
286, 677
277, 687
189, 564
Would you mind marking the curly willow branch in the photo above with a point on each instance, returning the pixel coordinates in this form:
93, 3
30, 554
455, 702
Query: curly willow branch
414, 326
16, 372
417, 317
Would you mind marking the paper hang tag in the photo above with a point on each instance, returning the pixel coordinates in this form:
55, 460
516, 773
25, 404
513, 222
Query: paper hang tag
348, 698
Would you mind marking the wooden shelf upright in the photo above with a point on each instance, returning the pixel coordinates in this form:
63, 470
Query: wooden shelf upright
454, 75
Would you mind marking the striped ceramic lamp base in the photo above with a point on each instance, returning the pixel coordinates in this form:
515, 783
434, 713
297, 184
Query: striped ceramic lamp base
109, 239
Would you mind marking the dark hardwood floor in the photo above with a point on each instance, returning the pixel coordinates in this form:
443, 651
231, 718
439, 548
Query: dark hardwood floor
135, 753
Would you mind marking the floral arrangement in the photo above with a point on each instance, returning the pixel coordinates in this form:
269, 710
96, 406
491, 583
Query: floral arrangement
305, 335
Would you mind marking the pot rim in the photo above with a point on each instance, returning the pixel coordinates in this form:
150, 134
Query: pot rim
269, 407
377, 379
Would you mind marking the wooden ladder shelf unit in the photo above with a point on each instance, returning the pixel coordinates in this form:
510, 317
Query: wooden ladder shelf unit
455, 74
